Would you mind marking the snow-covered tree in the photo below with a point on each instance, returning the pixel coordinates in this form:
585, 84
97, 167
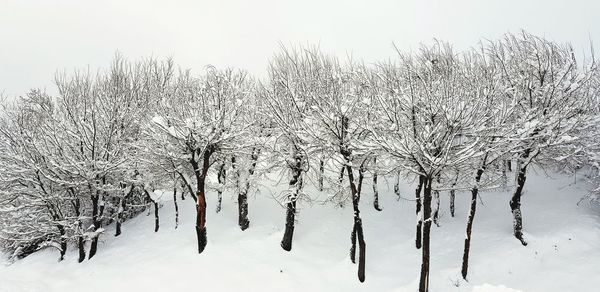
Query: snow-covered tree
327, 103
77, 150
289, 149
491, 128
197, 119
548, 86
32, 214
428, 111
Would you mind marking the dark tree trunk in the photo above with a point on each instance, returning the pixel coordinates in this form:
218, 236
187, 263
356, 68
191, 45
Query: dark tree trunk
418, 236
424, 280
80, 239
453, 194
201, 234
200, 174
397, 185
221, 176
97, 224
361, 178
81, 248
120, 215
509, 165
515, 205
474, 193
321, 173
111, 210
101, 210
57, 217
295, 186
452, 197
176, 205
201, 223
182, 192
286, 242
243, 195
63, 242
357, 230
353, 235
155, 203
342, 170
186, 186
119, 218
465, 260
436, 210
375, 189
243, 221
362, 246
353, 244
156, 219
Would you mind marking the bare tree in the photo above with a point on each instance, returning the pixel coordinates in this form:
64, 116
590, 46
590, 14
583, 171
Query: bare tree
423, 117
328, 100
199, 117
548, 86
285, 109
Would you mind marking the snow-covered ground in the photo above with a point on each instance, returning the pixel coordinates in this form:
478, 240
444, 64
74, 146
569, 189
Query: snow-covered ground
563, 252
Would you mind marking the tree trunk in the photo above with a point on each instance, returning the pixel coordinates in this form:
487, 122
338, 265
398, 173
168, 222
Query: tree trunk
63, 242
97, 224
357, 229
453, 194
509, 164
321, 173
156, 220
221, 176
353, 244
200, 174
120, 215
242, 200
57, 217
176, 205
182, 191
397, 185
286, 242
452, 197
155, 203
243, 195
353, 235
515, 205
375, 189
418, 236
201, 222
362, 248
81, 248
295, 187
78, 229
436, 209
243, 221
424, 280
474, 193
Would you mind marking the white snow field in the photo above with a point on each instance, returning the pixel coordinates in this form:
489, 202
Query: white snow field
563, 252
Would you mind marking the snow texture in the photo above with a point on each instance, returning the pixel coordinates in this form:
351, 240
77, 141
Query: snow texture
562, 254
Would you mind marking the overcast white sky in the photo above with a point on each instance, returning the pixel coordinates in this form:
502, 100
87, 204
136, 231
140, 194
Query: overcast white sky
39, 37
